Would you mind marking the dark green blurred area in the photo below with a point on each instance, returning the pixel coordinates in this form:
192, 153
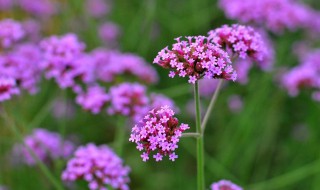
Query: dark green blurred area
273, 144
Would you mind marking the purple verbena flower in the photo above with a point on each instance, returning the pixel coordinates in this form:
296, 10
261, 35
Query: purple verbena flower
97, 8
242, 41
305, 75
94, 99
11, 31
224, 185
43, 8
59, 59
8, 87
6, 5
128, 99
46, 145
109, 33
159, 131
196, 58
275, 15
99, 166
112, 64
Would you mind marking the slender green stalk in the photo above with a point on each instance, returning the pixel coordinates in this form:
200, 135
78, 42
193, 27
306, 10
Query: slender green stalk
41, 165
120, 135
211, 105
200, 149
196, 135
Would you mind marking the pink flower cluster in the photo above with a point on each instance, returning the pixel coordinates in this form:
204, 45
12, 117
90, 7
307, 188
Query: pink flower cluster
128, 99
275, 15
305, 75
109, 33
196, 58
241, 41
11, 32
47, 146
8, 87
97, 8
20, 69
111, 64
158, 131
99, 166
39, 8
245, 45
59, 58
94, 99
225, 185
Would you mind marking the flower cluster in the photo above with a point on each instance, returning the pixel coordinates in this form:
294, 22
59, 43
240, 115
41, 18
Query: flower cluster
275, 15
242, 41
196, 58
8, 87
97, 8
94, 99
21, 68
128, 99
11, 31
99, 166
307, 74
111, 64
109, 33
225, 185
47, 146
59, 58
39, 7
158, 131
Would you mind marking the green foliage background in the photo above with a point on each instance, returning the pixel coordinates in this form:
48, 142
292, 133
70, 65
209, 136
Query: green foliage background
259, 148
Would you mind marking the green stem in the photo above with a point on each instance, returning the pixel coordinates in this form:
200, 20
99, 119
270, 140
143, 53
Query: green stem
120, 135
41, 165
200, 149
211, 105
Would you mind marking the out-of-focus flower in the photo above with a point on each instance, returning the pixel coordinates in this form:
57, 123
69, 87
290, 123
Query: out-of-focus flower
207, 87
97, 8
46, 145
8, 88
235, 103
109, 33
196, 58
225, 185
42, 8
112, 64
158, 131
275, 15
22, 64
128, 99
158, 100
11, 31
99, 166
94, 99
6, 5
60, 56
32, 29
306, 75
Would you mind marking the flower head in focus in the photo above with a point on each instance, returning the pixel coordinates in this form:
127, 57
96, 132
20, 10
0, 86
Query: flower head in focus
99, 166
159, 132
196, 58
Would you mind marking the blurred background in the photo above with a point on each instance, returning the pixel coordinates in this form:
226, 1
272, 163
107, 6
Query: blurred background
258, 136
